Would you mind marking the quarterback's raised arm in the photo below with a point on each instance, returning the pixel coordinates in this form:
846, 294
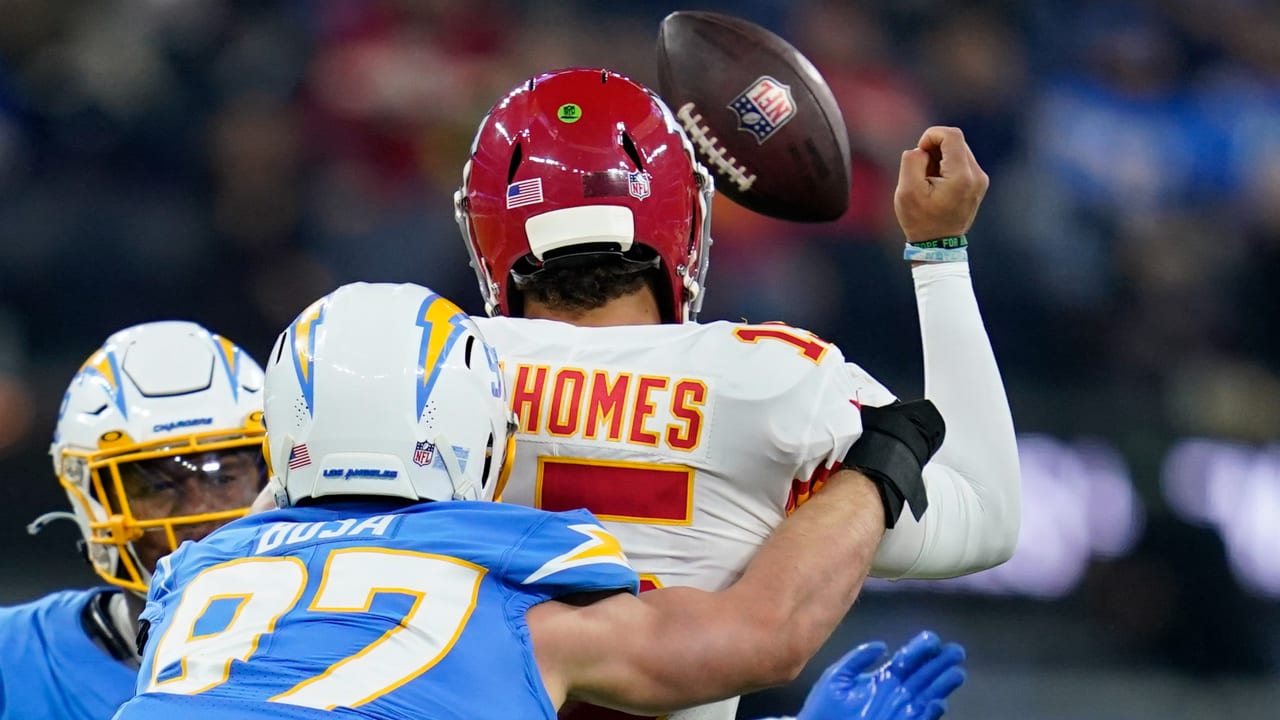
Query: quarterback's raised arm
973, 482
678, 647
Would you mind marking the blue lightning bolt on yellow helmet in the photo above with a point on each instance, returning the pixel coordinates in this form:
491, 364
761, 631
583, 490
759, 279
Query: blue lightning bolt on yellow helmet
385, 390
158, 440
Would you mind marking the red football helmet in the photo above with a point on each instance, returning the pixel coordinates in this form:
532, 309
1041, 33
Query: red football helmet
583, 162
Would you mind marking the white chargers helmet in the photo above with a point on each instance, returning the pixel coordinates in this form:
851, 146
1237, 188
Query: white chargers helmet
386, 390
158, 440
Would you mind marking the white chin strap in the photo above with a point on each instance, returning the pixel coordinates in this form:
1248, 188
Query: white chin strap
463, 488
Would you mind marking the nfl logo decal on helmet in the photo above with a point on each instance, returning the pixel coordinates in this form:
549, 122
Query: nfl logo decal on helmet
764, 107
638, 185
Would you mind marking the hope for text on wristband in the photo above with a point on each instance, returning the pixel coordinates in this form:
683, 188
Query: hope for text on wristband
953, 242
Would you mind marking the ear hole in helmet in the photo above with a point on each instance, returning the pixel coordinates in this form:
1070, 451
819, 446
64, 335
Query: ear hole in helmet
516, 156
629, 148
279, 349
466, 355
488, 462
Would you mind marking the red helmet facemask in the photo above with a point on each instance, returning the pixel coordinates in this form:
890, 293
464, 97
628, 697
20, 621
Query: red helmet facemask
578, 163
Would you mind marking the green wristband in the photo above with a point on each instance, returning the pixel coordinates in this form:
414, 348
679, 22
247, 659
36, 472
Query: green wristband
953, 242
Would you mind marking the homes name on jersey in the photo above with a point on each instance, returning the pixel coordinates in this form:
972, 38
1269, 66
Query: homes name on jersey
293, 533
654, 411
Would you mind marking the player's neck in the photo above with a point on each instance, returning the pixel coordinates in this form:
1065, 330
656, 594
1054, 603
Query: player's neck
637, 308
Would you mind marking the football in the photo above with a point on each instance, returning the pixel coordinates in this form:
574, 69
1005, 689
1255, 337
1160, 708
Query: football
763, 120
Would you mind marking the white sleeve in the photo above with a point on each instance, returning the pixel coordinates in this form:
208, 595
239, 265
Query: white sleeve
973, 481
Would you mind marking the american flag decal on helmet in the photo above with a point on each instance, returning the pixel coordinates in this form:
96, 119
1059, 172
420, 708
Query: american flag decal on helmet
525, 192
299, 457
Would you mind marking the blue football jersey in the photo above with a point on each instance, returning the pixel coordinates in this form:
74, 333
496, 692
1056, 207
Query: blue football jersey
51, 668
366, 610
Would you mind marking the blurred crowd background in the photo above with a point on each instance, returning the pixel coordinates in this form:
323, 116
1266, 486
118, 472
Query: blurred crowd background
228, 161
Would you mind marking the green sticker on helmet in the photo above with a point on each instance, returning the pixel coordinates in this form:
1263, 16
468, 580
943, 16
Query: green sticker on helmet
569, 113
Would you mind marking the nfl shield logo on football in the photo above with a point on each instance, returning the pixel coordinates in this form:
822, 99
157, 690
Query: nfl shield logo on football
423, 452
764, 107
638, 184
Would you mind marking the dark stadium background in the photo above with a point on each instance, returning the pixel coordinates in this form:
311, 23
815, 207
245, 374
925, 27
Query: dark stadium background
228, 162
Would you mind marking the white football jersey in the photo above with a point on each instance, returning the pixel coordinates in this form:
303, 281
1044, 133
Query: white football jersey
689, 442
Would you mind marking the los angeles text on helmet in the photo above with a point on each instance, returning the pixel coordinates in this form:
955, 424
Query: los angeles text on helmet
648, 410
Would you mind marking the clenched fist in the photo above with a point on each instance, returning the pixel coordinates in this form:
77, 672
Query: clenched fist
940, 186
